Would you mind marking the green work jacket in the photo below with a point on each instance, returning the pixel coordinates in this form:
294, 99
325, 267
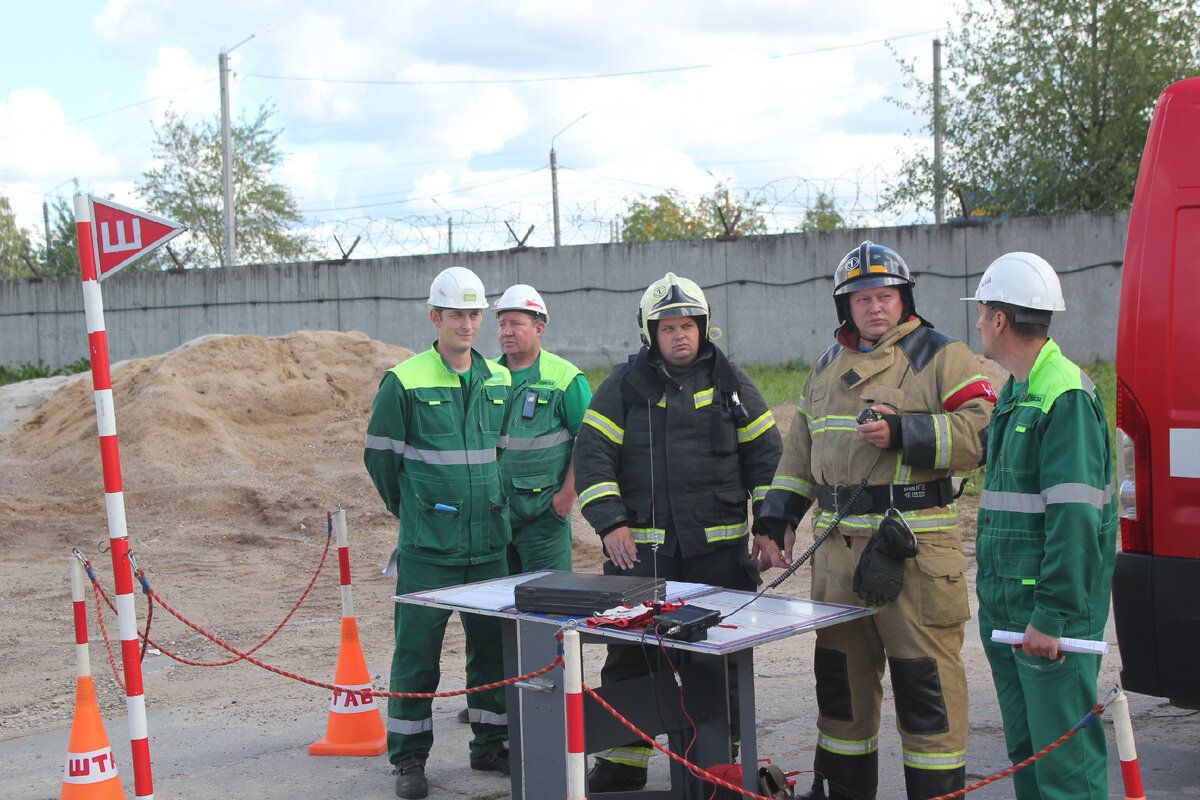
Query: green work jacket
1048, 513
536, 451
431, 453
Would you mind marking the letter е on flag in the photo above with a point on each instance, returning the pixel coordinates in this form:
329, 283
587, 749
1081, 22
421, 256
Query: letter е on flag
121, 235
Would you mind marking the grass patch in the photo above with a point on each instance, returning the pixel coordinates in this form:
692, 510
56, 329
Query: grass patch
23, 370
778, 383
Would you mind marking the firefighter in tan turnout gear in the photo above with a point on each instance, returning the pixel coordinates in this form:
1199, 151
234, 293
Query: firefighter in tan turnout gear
675, 445
887, 474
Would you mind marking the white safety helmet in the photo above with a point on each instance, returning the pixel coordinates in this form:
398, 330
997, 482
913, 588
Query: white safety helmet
457, 287
521, 297
1024, 280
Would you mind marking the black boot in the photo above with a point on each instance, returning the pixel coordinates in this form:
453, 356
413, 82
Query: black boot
610, 776
817, 792
922, 784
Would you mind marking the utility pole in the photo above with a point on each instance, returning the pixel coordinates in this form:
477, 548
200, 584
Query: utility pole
226, 160
939, 190
227, 152
49, 243
554, 177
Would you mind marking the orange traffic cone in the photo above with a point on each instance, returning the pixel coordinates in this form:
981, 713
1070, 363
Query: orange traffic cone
355, 724
91, 771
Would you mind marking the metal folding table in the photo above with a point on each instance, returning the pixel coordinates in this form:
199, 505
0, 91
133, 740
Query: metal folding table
654, 703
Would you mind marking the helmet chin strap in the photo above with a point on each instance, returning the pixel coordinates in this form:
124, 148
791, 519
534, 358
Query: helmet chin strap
865, 339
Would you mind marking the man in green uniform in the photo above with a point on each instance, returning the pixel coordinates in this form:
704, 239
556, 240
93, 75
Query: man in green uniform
677, 441
884, 479
1047, 533
550, 397
431, 452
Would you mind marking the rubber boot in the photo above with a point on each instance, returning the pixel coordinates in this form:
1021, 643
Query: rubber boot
922, 784
849, 777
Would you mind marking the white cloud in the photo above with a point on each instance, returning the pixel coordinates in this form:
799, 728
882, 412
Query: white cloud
40, 151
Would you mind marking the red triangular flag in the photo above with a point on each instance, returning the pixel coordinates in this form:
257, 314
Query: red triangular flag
122, 235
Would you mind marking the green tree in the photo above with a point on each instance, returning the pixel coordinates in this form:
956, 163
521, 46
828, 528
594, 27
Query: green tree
186, 186
822, 215
670, 216
62, 255
1046, 103
16, 256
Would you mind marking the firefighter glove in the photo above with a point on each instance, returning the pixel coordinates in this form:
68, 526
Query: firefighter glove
879, 576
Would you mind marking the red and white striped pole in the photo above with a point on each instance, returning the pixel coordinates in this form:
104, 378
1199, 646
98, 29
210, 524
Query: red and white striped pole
1131, 773
83, 660
573, 697
114, 501
343, 546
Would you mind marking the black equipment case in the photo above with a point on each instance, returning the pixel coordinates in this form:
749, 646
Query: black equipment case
576, 594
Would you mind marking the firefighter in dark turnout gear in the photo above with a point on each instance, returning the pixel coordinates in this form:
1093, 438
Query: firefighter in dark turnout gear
675, 443
932, 406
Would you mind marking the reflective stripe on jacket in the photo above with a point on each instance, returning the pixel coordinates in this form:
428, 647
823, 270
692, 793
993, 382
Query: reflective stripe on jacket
536, 451
1047, 522
434, 461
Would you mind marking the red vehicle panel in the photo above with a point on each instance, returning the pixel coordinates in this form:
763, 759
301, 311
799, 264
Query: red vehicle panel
1155, 604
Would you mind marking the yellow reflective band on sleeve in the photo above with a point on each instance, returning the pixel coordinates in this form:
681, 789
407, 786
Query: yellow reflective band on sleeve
943, 435
598, 490
611, 430
759, 493
649, 535
795, 485
756, 428
721, 533
703, 398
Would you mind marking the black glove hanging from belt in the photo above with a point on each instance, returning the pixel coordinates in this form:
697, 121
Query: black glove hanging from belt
879, 576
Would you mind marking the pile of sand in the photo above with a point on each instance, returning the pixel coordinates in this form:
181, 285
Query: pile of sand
223, 427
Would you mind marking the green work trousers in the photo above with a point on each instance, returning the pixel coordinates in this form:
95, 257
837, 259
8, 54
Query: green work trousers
416, 661
1040, 700
540, 543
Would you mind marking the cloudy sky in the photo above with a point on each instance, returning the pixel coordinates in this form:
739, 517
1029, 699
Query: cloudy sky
408, 121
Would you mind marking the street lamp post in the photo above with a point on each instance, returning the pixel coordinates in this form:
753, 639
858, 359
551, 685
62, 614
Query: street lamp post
227, 153
554, 178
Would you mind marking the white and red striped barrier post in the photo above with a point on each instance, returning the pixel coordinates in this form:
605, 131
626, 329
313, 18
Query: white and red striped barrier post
83, 661
1131, 773
343, 547
573, 698
114, 499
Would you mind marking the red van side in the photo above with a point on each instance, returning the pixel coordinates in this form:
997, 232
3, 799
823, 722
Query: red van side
1156, 584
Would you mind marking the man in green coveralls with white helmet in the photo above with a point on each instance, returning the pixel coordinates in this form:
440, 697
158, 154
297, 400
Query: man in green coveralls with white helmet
550, 397
1046, 539
431, 451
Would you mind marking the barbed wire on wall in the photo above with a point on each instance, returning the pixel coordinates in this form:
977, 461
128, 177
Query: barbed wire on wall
782, 204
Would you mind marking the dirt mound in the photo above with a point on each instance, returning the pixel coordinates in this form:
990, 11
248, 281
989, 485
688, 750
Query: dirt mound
220, 428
